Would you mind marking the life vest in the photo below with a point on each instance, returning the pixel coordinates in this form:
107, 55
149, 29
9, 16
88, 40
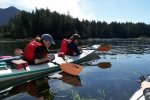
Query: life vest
64, 47
29, 50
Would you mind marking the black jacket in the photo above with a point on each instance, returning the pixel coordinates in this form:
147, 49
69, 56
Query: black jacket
73, 49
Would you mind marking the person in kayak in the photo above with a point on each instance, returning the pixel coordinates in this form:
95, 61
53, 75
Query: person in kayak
72, 46
36, 51
69, 46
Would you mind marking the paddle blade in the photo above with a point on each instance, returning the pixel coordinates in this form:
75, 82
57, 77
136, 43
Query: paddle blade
73, 69
105, 47
104, 65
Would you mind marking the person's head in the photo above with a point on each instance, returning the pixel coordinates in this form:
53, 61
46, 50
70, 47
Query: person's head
47, 39
75, 38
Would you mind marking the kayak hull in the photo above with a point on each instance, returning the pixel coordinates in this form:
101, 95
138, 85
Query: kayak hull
12, 76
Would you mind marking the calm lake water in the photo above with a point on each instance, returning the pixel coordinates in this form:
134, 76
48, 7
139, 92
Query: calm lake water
128, 60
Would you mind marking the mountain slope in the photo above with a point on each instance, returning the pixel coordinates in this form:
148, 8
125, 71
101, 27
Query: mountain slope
7, 13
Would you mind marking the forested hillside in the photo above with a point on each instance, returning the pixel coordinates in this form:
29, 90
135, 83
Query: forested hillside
29, 25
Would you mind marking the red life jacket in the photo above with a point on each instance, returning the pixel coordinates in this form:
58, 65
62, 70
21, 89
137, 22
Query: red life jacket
29, 50
64, 47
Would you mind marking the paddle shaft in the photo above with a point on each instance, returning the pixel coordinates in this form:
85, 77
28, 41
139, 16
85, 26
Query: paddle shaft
101, 64
11, 58
106, 47
88, 64
66, 63
88, 49
103, 48
55, 63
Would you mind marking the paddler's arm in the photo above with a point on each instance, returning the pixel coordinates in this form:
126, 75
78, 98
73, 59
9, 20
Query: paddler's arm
41, 55
50, 57
73, 47
38, 61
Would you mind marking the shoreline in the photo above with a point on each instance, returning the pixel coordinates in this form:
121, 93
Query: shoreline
29, 39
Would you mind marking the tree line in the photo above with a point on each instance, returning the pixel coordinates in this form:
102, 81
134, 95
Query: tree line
31, 24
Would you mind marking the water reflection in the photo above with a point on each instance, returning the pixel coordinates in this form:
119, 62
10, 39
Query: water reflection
39, 89
33, 90
71, 79
7, 48
101, 64
104, 65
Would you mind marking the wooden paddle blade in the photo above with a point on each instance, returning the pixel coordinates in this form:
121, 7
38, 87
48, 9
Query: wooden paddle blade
105, 47
73, 69
104, 65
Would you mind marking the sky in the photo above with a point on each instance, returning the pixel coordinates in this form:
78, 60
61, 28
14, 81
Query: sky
98, 10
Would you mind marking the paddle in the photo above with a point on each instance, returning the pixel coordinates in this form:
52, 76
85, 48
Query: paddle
75, 69
70, 68
10, 58
103, 47
102, 65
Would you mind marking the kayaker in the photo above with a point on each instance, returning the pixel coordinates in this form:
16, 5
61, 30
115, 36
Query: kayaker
72, 46
69, 46
37, 50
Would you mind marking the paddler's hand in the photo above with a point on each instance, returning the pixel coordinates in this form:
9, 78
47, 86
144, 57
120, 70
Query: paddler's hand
51, 57
46, 59
18, 52
80, 49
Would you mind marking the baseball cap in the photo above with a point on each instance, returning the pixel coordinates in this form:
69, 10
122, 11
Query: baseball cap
48, 37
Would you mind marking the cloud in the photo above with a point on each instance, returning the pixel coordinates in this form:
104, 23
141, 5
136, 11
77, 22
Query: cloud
5, 3
76, 8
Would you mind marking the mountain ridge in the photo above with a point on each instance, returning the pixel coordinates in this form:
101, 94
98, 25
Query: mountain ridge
7, 13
